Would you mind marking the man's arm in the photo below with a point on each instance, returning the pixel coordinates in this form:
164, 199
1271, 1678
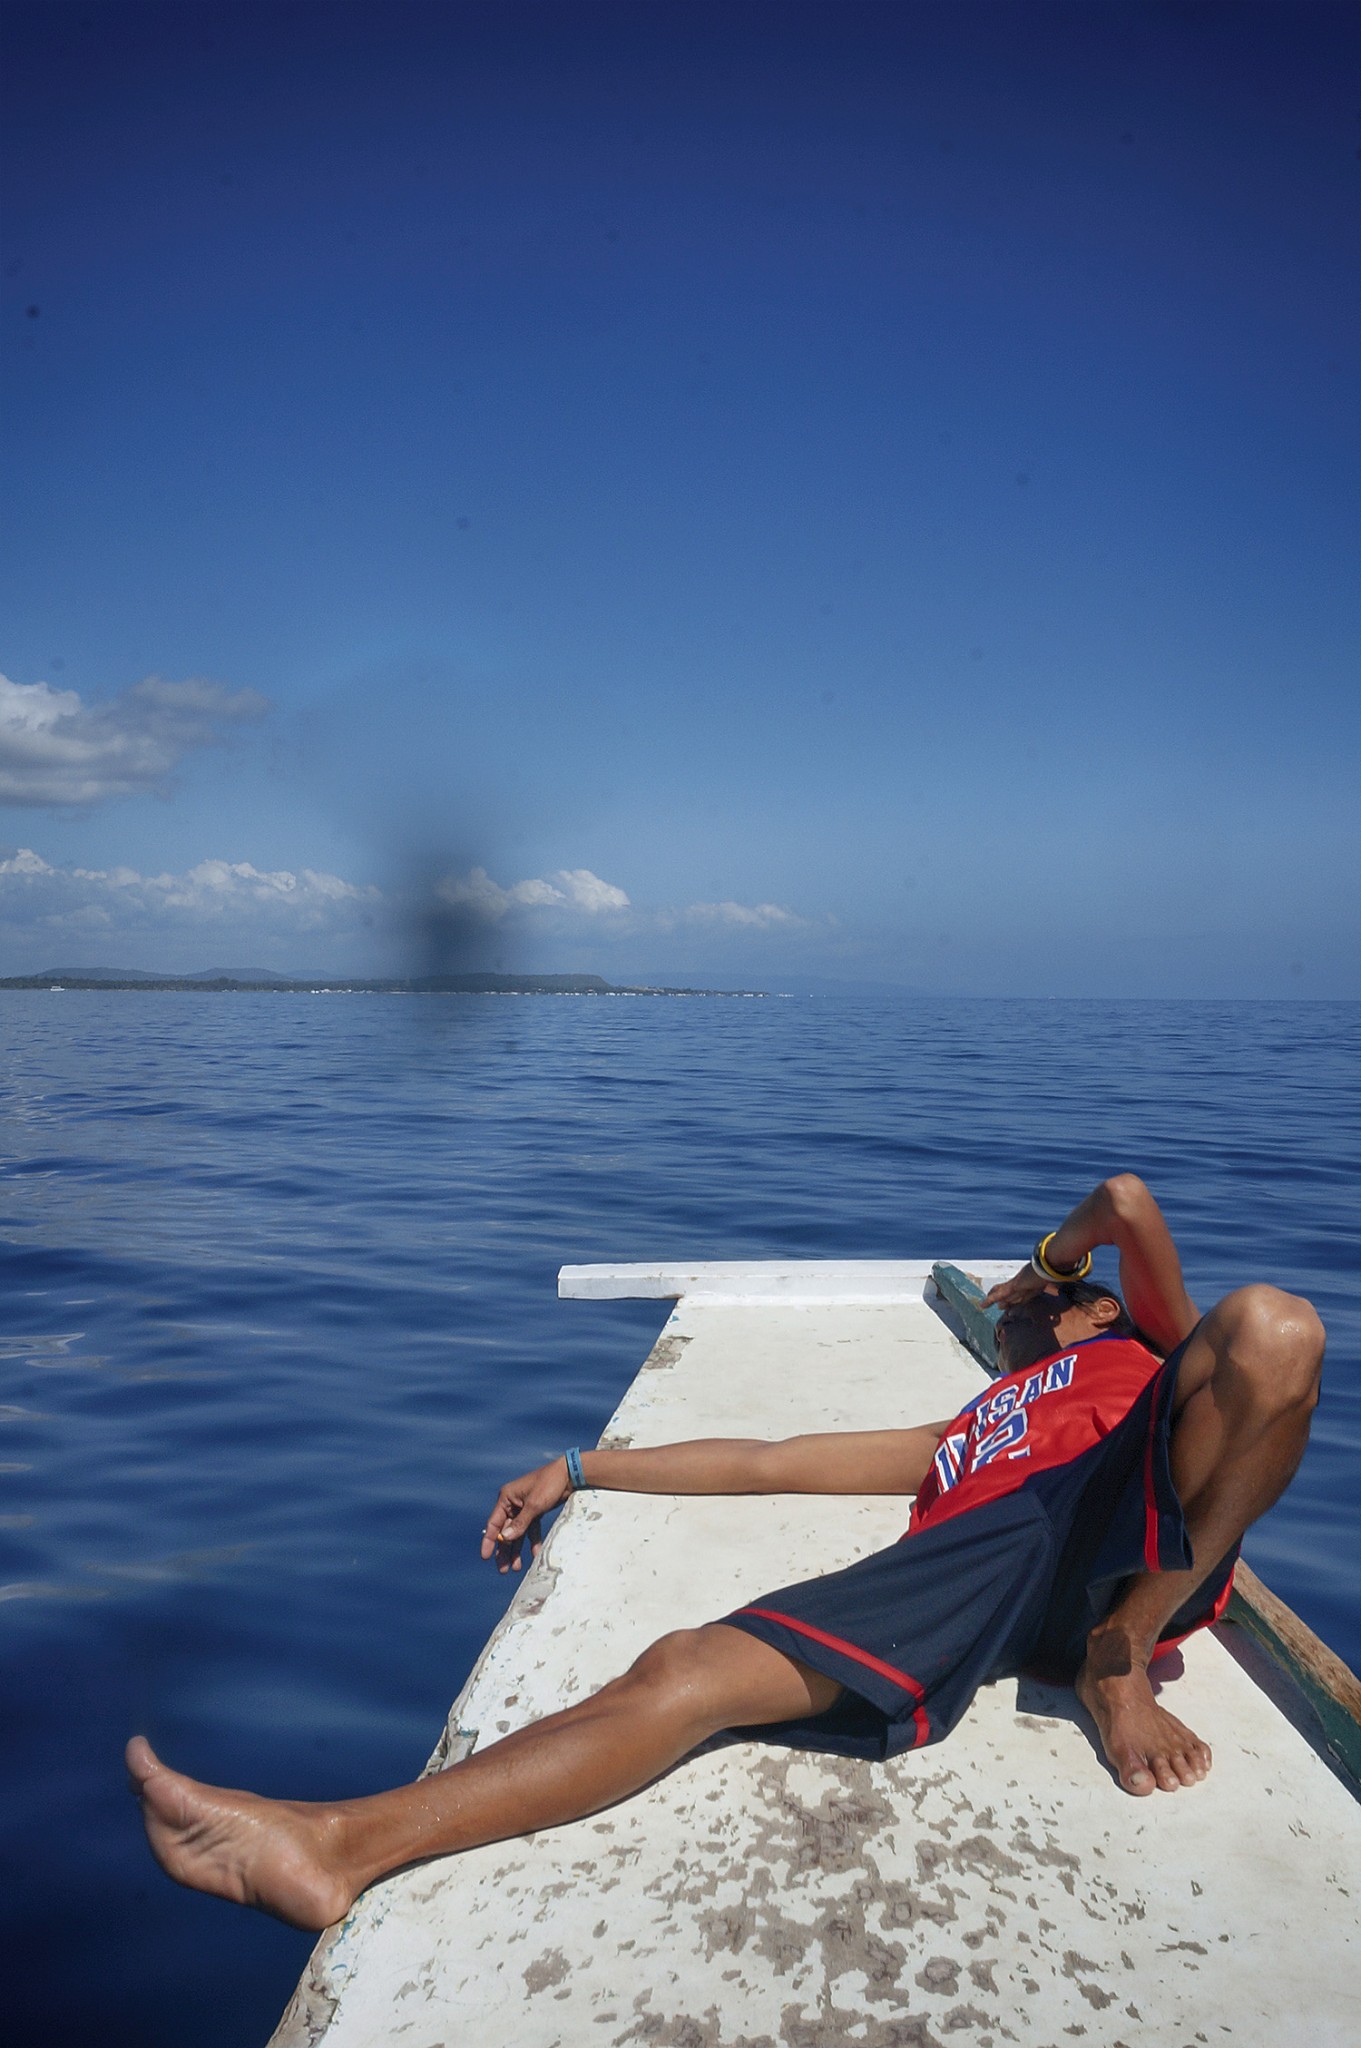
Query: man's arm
843, 1461
1122, 1212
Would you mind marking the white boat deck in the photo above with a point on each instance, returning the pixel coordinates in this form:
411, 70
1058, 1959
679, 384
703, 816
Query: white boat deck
996, 1888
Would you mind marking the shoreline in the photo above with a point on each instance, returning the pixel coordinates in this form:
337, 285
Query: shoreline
436, 985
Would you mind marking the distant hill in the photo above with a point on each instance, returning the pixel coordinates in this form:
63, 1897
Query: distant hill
264, 981
255, 975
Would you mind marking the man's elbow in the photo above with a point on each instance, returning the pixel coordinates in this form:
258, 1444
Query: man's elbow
771, 1465
1128, 1197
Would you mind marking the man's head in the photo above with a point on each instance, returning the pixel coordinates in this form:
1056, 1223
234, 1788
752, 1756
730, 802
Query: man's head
1028, 1331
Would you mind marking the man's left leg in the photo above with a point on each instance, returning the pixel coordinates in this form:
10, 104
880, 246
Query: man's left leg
1246, 1388
306, 1863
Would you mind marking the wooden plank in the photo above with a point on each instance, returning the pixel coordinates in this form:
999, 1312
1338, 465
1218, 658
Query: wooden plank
979, 1324
1330, 1686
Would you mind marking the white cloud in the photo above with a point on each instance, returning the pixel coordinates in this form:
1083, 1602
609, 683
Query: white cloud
55, 749
218, 887
222, 900
754, 916
233, 906
577, 893
585, 891
575, 903
231, 913
23, 861
566, 889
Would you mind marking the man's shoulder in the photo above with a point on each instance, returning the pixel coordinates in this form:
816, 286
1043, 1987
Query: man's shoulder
1106, 1351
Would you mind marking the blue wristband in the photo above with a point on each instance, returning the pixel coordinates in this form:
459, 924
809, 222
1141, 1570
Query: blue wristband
576, 1477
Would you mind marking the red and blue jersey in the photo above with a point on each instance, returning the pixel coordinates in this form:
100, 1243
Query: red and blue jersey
1030, 1421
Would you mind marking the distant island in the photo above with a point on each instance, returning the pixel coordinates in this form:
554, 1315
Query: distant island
262, 982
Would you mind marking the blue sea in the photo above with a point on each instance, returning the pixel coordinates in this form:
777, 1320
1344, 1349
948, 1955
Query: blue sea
279, 1314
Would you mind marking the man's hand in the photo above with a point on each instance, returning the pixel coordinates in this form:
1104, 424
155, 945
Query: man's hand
1022, 1286
517, 1513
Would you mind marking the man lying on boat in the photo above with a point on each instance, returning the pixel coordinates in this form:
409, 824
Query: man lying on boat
1084, 1510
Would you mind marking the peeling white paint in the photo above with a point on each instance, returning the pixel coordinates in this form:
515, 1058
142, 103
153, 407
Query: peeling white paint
997, 1888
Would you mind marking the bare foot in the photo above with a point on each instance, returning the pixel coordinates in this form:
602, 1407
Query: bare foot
1149, 1749
269, 1853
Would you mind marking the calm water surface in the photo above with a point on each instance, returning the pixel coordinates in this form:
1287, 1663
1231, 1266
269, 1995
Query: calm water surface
278, 1316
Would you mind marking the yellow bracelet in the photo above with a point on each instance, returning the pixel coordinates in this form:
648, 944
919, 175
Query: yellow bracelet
1040, 1262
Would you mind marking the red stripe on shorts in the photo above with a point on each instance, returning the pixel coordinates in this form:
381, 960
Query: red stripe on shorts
1215, 1614
1151, 1559
857, 1655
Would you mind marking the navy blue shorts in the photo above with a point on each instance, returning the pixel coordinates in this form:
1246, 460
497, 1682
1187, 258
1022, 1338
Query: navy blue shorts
1011, 1585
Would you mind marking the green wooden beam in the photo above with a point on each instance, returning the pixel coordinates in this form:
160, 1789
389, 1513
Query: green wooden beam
1332, 1690
980, 1324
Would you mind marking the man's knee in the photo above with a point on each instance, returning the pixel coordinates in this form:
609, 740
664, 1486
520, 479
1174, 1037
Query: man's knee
675, 1672
1272, 1343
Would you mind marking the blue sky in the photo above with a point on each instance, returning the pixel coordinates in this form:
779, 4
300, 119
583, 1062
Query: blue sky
730, 493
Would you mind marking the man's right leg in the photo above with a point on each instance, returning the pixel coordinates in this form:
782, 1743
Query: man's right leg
307, 1863
1246, 1388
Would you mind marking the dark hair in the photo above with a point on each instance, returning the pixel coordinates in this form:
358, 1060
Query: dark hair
1085, 1292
